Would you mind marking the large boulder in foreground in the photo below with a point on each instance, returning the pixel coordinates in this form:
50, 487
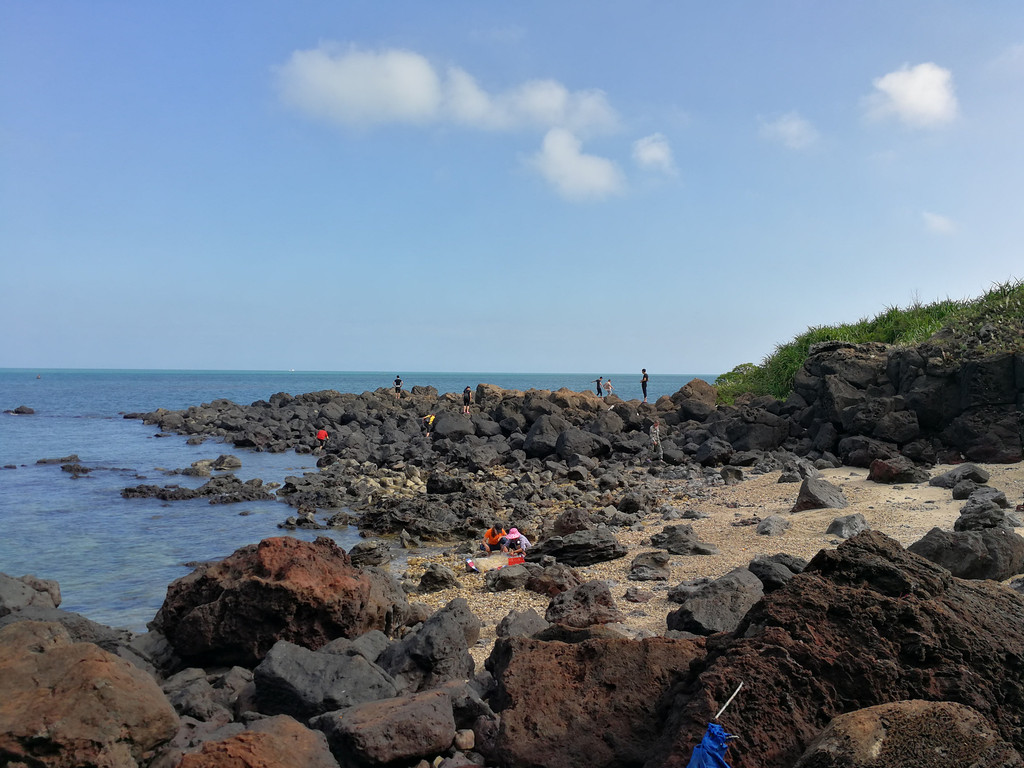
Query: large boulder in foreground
867, 623
73, 704
577, 705
910, 733
308, 593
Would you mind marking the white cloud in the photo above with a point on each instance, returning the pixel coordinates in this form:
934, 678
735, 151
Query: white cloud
940, 225
356, 87
921, 96
360, 87
654, 153
575, 175
790, 130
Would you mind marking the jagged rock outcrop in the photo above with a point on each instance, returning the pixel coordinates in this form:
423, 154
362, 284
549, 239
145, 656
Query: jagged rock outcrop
865, 624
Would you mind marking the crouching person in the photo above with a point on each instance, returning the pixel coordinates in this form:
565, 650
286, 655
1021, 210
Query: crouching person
495, 539
517, 543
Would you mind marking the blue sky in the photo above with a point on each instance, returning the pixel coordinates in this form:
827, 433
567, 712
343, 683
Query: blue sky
469, 186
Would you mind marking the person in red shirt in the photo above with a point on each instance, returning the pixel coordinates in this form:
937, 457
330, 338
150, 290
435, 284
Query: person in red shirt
494, 538
321, 437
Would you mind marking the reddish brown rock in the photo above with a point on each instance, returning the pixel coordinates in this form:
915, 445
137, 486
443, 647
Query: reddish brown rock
276, 742
910, 733
308, 593
67, 704
867, 623
592, 703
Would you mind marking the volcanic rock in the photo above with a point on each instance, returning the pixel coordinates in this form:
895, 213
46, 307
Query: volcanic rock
435, 653
385, 732
818, 493
847, 526
580, 548
867, 623
68, 704
273, 741
910, 733
296, 681
232, 612
718, 606
583, 606
592, 703
990, 553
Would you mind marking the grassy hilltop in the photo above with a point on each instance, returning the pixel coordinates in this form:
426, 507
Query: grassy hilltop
966, 328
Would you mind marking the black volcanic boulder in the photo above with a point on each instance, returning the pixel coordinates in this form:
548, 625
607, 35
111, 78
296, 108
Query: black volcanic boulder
959, 474
818, 493
898, 469
542, 439
866, 623
234, 611
436, 652
990, 553
292, 680
718, 606
580, 548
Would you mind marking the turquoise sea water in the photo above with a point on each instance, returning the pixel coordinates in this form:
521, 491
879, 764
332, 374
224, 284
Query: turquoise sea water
115, 557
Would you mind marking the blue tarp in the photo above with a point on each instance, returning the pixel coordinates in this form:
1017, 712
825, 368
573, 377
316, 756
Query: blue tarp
710, 753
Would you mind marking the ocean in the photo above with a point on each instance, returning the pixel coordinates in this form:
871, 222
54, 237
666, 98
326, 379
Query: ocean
114, 557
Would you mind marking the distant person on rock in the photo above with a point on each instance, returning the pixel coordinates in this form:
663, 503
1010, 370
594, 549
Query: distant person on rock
643, 382
597, 384
517, 542
398, 384
494, 538
321, 438
608, 388
428, 423
467, 399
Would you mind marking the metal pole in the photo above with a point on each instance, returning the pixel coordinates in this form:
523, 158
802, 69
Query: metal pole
729, 701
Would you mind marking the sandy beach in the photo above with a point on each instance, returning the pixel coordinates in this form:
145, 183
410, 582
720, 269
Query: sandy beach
906, 512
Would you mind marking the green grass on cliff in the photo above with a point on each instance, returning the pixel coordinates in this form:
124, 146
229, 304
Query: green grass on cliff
989, 324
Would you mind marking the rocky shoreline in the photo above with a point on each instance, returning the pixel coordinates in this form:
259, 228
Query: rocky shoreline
835, 552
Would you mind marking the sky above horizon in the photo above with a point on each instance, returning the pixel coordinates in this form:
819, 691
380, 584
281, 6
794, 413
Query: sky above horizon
463, 186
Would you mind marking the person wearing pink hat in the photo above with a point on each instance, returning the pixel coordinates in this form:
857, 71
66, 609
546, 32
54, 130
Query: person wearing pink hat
517, 542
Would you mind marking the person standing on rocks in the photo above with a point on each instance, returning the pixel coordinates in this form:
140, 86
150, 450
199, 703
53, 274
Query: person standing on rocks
428, 423
597, 384
643, 382
321, 438
467, 399
656, 449
398, 384
608, 388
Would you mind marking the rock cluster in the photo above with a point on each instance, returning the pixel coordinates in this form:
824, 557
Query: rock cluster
867, 650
